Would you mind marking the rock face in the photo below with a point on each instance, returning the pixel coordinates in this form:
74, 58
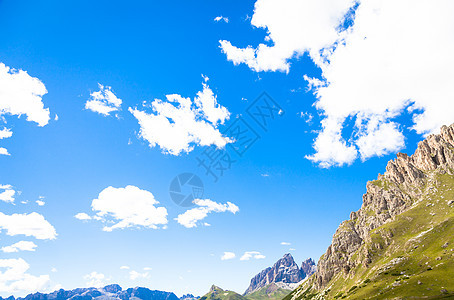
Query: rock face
308, 267
284, 272
113, 291
391, 194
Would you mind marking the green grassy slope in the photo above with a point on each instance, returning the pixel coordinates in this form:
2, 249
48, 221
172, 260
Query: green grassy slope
270, 292
217, 293
413, 255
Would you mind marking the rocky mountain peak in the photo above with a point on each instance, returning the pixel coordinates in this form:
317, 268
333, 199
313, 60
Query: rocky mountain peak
308, 267
285, 270
215, 288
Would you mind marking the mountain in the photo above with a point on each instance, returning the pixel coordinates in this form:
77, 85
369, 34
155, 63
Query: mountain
400, 243
189, 297
308, 267
216, 293
273, 283
285, 271
113, 291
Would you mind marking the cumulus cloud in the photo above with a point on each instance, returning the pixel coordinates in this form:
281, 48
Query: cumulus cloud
7, 193
252, 254
4, 151
178, 124
83, 216
95, 279
126, 207
191, 217
20, 246
221, 18
21, 94
103, 101
294, 27
32, 224
14, 278
378, 62
40, 202
5, 133
228, 255
124, 268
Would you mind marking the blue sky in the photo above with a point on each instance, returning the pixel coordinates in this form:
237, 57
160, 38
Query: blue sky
304, 175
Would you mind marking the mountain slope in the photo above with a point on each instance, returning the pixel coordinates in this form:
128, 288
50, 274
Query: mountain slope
216, 293
400, 243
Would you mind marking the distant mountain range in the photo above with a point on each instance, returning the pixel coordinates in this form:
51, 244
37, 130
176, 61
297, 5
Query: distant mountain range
113, 291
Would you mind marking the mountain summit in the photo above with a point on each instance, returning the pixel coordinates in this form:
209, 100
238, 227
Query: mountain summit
285, 273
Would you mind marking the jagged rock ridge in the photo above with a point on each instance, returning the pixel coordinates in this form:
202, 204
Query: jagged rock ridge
399, 245
285, 273
391, 194
308, 267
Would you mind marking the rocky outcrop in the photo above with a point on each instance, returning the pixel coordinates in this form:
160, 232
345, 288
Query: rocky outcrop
308, 267
391, 194
284, 271
113, 291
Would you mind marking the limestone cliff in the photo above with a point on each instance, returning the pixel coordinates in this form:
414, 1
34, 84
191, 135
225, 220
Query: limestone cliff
407, 182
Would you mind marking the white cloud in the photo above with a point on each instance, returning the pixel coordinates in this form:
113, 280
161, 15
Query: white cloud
5, 133
32, 224
221, 18
386, 64
228, 255
285, 244
133, 275
127, 207
252, 254
14, 278
95, 279
21, 94
190, 217
40, 202
147, 269
124, 268
20, 246
7, 193
176, 125
4, 151
293, 27
82, 217
54, 270
104, 101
